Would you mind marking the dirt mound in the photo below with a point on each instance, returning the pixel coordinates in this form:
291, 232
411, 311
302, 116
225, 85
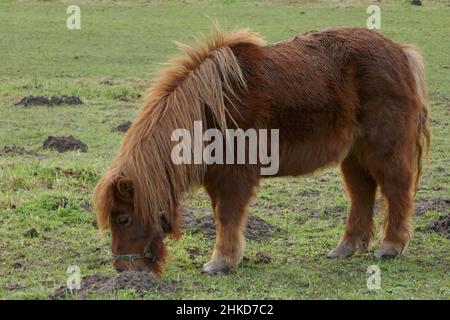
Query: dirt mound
438, 204
70, 172
335, 209
86, 205
63, 144
441, 225
257, 228
422, 205
13, 150
31, 233
44, 101
262, 258
141, 282
122, 127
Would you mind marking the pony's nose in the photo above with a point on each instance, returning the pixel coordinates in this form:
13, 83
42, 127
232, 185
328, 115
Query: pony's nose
138, 268
120, 267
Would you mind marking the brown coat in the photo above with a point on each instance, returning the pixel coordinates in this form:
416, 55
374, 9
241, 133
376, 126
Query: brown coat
344, 95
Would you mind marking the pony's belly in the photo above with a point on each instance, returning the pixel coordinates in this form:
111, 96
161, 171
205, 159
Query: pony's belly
303, 158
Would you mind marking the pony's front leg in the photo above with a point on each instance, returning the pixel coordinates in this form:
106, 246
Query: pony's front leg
230, 215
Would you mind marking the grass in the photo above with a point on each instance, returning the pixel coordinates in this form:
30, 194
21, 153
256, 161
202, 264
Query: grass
109, 63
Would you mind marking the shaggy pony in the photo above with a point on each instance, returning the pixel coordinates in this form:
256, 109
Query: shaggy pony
345, 96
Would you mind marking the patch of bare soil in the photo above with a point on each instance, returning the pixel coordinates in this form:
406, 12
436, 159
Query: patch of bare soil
63, 144
53, 101
441, 225
122, 127
71, 172
437, 204
262, 258
193, 252
86, 205
107, 81
335, 209
31, 233
13, 286
422, 205
18, 151
18, 265
257, 229
141, 282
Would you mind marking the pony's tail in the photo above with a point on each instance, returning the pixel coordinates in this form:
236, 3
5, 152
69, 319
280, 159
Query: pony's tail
423, 137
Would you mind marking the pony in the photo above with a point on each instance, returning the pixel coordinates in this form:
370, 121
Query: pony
339, 96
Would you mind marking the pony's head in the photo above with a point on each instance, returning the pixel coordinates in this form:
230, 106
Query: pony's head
137, 240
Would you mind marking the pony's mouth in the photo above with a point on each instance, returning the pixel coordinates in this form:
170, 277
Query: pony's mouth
140, 265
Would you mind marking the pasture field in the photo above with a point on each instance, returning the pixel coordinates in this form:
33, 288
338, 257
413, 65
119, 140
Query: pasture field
46, 223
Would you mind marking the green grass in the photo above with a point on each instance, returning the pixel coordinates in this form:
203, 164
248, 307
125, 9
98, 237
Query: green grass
109, 63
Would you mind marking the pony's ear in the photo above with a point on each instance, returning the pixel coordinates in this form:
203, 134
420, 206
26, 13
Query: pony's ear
123, 189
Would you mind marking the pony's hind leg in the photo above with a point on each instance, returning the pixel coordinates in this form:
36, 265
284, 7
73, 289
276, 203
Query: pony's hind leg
396, 182
361, 188
391, 161
230, 207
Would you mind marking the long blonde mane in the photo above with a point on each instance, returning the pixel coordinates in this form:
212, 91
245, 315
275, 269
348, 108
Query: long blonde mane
204, 78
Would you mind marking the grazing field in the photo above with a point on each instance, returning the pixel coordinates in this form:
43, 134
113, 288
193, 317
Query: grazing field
46, 221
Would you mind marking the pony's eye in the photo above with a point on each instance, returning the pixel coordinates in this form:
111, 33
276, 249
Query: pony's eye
122, 220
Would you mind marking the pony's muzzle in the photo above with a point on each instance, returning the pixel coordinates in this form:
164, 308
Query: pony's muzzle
142, 264
120, 267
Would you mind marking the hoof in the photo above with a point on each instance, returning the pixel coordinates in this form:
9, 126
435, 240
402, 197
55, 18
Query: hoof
342, 251
385, 253
215, 267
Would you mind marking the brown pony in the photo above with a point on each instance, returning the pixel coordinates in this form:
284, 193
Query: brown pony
343, 95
